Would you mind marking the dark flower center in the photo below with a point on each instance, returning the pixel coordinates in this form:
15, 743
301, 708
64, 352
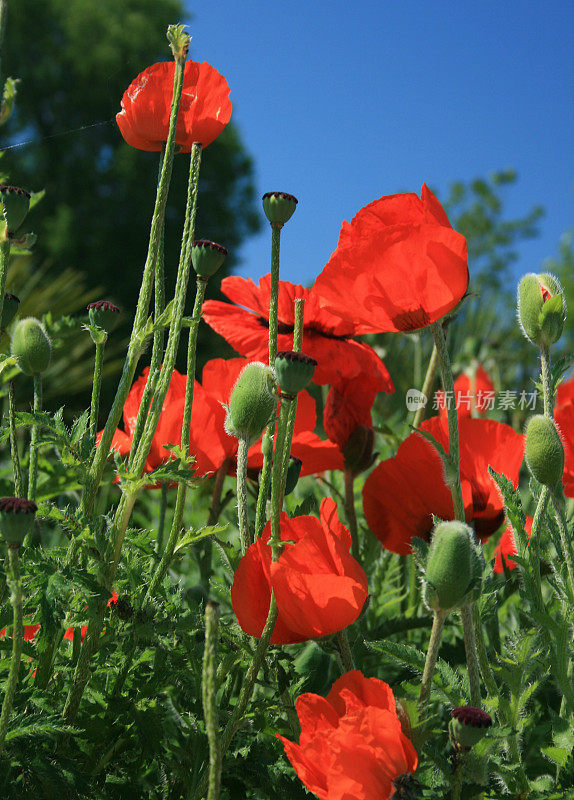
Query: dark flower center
17, 505
475, 717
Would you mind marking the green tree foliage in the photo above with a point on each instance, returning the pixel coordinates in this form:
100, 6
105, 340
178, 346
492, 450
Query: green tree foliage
99, 191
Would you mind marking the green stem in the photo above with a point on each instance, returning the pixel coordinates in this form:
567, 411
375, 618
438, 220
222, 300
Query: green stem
427, 386
345, 650
3, 7
466, 613
274, 292
457, 778
565, 541
209, 698
277, 482
485, 669
15, 584
96, 388
297, 345
161, 520
214, 511
350, 512
242, 507
431, 657
33, 464
545, 375
4, 262
17, 470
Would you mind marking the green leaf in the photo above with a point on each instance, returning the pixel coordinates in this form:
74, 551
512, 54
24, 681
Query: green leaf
557, 755
191, 536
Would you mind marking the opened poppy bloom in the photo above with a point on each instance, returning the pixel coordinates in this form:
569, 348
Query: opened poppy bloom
402, 493
564, 416
319, 587
30, 632
472, 393
326, 338
398, 266
351, 746
506, 547
348, 423
204, 111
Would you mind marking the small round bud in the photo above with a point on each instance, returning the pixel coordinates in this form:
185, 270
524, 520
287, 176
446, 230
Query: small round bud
103, 314
16, 517
358, 450
253, 402
541, 308
544, 451
10, 309
207, 257
454, 567
31, 346
15, 206
293, 473
293, 371
279, 207
468, 726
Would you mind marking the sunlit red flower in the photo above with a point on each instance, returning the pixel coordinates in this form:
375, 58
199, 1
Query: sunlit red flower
351, 745
318, 585
564, 416
565, 393
30, 632
398, 266
402, 493
204, 111
326, 338
506, 547
69, 635
471, 394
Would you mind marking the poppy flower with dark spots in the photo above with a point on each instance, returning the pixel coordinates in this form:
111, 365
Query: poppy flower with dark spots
402, 493
506, 547
326, 338
398, 266
351, 745
319, 587
204, 111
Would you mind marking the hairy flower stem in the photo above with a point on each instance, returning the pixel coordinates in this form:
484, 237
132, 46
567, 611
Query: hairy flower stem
427, 386
4, 261
565, 541
15, 584
466, 613
299, 315
209, 698
136, 343
457, 778
485, 669
33, 463
242, 506
161, 518
282, 445
350, 512
545, 375
18, 482
431, 657
214, 511
345, 651
96, 388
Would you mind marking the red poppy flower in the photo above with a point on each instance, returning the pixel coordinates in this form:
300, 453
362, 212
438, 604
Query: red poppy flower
318, 585
472, 394
69, 635
506, 547
351, 745
326, 338
402, 493
565, 421
348, 406
398, 266
30, 632
204, 111
565, 393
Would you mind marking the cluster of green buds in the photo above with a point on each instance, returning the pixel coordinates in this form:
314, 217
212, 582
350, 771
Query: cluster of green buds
467, 727
207, 257
454, 567
541, 308
253, 402
31, 346
279, 207
293, 371
544, 451
16, 518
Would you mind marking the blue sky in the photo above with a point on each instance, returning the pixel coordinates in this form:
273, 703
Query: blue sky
341, 103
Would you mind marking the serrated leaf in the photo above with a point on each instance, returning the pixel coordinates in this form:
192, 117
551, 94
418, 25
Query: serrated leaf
557, 755
191, 537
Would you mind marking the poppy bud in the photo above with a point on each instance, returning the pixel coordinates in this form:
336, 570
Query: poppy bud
541, 308
103, 314
207, 257
293, 371
358, 450
15, 206
544, 451
16, 517
454, 567
9, 311
252, 403
279, 207
467, 726
293, 472
31, 346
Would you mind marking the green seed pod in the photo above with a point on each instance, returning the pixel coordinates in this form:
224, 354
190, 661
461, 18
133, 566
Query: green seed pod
293, 371
207, 257
10, 309
15, 206
31, 346
544, 451
358, 450
279, 207
468, 726
16, 518
103, 314
253, 402
541, 308
453, 571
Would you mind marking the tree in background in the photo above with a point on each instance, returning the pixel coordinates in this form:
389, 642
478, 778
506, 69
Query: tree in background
99, 191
